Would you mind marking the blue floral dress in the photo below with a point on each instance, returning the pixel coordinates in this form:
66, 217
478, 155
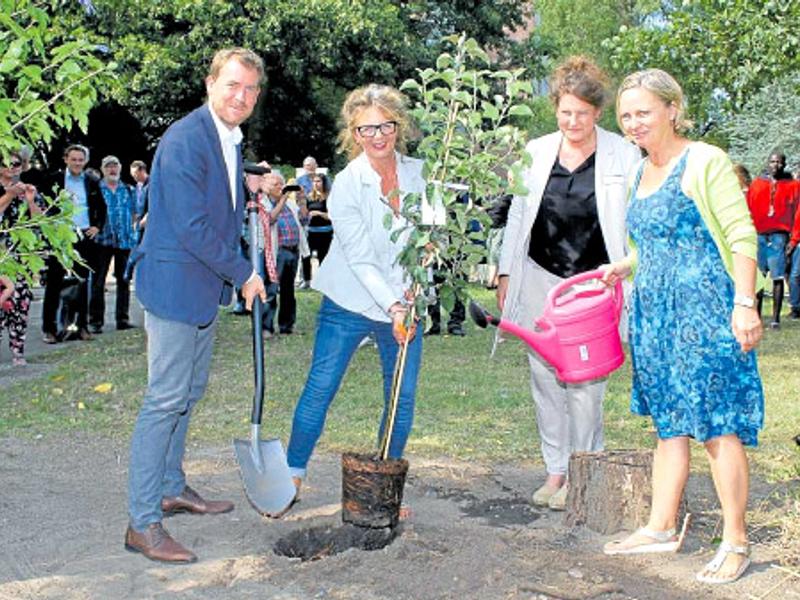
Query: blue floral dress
689, 372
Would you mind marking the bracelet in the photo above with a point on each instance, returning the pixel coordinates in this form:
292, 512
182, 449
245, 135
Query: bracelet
744, 300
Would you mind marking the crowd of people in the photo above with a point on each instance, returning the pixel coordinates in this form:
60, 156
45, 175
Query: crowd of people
667, 215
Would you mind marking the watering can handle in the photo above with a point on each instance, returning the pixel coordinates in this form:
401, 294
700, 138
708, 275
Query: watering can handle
559, 289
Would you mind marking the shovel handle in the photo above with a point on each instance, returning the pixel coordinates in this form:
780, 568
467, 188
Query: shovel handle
256, 318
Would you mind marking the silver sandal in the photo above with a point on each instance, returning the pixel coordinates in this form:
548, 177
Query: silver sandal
663, 541
715, 564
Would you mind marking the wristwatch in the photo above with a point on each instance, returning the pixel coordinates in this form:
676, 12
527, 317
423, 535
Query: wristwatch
742, 300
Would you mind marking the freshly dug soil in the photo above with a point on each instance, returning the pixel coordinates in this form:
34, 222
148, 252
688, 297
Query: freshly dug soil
472, 535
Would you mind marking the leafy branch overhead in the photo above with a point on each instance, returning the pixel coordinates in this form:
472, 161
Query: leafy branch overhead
48, 81
464, 110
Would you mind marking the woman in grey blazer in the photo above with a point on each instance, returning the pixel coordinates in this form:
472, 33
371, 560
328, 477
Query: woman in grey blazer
571, 221
363, 287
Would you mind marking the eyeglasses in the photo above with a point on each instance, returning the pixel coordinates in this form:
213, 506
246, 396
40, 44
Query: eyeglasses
15, 164
386, 128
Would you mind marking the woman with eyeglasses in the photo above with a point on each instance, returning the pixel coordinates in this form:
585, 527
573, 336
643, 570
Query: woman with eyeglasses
15, 197
363, 288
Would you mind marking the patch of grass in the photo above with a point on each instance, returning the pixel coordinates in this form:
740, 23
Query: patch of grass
469, 405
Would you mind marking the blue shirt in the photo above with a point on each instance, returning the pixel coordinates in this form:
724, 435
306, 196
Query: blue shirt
118, 231
76, 187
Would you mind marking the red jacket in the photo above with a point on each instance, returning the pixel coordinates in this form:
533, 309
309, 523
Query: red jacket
784, 214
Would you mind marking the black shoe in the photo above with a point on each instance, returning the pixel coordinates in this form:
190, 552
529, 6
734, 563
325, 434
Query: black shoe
123, 325
434, 330
795, 314
286, 332
97, 329
456, 330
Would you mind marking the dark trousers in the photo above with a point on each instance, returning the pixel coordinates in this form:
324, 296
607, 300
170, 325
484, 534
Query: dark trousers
97, 299
87, 250
455, 319
286, 263
319, 242
457, 315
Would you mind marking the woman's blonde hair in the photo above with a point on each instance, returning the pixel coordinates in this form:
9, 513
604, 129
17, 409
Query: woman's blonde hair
384, 97
663, 86
579, 76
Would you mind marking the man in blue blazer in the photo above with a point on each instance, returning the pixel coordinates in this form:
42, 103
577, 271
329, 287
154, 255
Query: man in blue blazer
187, 265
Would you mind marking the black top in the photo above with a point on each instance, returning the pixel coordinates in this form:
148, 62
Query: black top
566, 238
319, 205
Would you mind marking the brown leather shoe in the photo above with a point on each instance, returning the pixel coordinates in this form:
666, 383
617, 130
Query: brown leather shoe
84, 335
190, 501
157, 544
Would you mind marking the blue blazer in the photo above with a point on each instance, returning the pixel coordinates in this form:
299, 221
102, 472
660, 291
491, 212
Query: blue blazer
189, 258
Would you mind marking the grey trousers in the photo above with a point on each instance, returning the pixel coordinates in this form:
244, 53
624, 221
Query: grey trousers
569, 416
178, 359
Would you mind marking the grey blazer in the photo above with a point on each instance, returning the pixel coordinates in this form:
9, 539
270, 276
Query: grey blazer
615, 160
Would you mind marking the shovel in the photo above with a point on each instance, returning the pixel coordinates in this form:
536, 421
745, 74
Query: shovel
265, 474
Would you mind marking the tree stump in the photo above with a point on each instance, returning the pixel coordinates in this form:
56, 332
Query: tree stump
610, 491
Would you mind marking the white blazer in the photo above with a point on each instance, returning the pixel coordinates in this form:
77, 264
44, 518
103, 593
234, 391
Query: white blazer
615, 160
360, 272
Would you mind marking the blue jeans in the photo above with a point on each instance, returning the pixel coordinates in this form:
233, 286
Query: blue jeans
794, 280
178, 359
772, 254
339, 333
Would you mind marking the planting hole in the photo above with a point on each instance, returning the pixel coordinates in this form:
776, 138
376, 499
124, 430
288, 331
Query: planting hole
319, 542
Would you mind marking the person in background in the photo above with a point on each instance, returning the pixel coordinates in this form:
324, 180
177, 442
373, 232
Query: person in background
693, 319
289, 246
364, 289
320, 230
115, 242
306, 182
743, 175
16, 296
773, 201
571, 221
89, 218
140, 177
186, 267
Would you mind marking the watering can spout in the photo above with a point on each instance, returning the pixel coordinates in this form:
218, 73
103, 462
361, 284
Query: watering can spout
544, 341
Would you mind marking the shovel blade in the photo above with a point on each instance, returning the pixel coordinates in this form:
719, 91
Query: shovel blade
265, 474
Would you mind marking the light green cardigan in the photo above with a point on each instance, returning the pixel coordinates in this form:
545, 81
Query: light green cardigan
710, 182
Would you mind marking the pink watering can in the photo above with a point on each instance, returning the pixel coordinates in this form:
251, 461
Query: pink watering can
578, 332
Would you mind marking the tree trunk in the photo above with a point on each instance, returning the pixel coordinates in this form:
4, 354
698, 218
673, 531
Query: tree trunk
610, 491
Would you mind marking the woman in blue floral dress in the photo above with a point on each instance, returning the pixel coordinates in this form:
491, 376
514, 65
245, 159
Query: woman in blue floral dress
693, 318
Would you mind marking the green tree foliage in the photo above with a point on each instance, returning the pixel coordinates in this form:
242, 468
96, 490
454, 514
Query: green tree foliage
464, 110
581, 26
48, 80
721, 51
315, 51
770, 120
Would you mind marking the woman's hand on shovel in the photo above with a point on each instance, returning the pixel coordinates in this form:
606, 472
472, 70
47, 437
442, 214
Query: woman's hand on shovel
253, 287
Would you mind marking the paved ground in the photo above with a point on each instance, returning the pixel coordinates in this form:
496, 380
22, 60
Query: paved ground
34, 346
